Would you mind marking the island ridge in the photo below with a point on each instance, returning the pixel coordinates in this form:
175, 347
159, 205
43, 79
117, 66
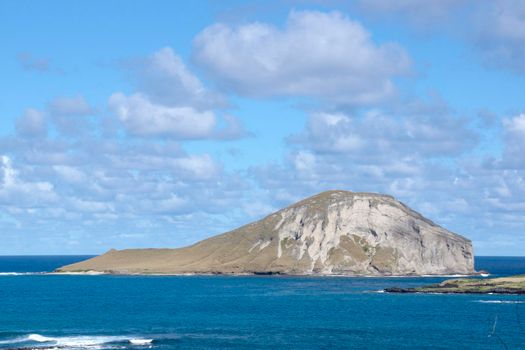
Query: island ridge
332, 233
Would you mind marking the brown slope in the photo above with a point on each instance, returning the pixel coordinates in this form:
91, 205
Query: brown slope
334, 232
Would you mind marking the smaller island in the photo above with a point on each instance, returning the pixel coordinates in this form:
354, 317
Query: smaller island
501, 285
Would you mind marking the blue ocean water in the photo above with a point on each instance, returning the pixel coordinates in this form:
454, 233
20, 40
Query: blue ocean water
260, 312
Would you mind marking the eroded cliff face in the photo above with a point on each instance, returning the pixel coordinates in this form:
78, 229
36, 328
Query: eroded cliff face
335, 232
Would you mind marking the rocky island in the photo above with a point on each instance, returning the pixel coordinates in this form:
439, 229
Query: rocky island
501, 285
332, 233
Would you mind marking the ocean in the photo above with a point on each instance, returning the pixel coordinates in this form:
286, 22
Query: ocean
40, 311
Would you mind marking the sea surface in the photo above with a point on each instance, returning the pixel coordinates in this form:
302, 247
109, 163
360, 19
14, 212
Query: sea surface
39, 311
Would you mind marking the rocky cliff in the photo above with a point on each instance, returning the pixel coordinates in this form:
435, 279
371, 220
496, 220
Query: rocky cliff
334, 232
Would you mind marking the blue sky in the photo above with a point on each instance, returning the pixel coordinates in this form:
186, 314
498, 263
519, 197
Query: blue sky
159, 123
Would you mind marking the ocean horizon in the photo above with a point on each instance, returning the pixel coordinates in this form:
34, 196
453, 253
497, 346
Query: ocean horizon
39, 311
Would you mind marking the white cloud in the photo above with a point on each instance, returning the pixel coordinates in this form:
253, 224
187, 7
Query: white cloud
32, 123
99, 188
500, 33
165, 79
516, 126
514, 143
322, 55
172, 102
144, 118
94, 177
379, 135
70, 174
21, 193
70, 106
71, 115
91, 206
496, 28
304, 162
201, 166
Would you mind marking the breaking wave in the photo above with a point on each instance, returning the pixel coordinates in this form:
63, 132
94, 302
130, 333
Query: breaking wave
20, 273
501, 301
38, 341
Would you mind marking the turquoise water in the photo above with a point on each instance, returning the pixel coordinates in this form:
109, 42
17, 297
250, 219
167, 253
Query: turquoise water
262, 312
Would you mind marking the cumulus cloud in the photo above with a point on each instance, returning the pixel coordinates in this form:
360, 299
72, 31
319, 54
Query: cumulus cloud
122, 173
496, 29
376, 134
514, 143
322, 55
25, 193
70, 106
397, 154
144, 118
164, 77
70, 114
63, 185
171, 101
32, 123
500, 33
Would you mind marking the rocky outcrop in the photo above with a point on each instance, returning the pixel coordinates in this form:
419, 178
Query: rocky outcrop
501, 285
335, 232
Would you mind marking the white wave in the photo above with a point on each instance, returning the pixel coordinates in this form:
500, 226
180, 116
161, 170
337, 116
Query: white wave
13, 341
76, 342
501, 301
447, 276
141, 341
87, 341
39, 338
20, 273
402, 276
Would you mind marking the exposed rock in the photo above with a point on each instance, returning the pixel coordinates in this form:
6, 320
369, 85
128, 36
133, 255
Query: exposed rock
502, 285
334, 232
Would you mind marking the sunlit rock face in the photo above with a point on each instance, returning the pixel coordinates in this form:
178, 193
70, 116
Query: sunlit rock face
334, 232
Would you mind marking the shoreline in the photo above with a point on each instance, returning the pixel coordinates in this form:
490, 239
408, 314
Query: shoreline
105, 273
500, 285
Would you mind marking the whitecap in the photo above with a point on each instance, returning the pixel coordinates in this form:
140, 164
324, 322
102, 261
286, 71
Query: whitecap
447, 276
20, 273
87, 341
39, 338
141, 341
501, 301
13, 341
76, 342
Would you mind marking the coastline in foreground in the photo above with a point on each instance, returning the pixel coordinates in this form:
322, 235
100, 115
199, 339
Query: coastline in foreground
501, 285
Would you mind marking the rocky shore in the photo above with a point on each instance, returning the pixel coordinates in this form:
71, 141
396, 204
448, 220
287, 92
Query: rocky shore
501, 285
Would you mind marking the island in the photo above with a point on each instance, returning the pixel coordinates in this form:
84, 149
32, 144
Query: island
332, 233
501, 285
